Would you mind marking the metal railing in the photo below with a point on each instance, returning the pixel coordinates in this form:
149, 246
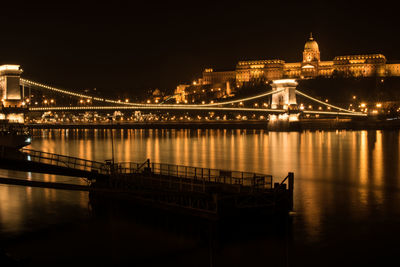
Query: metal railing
65, 161
187, 175
196, 173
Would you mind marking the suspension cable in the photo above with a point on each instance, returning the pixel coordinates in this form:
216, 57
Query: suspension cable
25, 81
321, 102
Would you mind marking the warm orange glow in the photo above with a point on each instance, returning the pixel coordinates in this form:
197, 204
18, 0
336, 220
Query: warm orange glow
15, 117
9, 67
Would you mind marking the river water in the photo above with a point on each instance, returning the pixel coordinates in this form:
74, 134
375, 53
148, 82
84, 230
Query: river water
347, 199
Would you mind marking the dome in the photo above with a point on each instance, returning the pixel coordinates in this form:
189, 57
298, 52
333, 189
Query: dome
311, 44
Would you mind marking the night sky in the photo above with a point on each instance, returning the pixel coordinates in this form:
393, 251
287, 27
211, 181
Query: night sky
133, 47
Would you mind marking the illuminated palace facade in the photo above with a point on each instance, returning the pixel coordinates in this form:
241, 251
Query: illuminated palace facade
310, 67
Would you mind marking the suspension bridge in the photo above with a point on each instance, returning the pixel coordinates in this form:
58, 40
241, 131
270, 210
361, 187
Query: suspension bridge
222, 105
283, 98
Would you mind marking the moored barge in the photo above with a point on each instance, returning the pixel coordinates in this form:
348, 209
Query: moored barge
202, 192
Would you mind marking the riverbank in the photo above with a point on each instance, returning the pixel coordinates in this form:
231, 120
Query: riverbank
308, 124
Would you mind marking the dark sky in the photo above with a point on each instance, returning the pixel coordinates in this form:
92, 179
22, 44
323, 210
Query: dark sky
135, 46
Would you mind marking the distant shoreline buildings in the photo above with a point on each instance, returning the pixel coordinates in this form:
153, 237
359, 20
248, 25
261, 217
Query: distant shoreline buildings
311, 67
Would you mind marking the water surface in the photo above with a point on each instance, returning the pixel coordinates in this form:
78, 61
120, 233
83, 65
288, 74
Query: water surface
347, 187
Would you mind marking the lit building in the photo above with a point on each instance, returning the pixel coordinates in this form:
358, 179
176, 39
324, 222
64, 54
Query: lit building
213, 84
212, 77
311, 66
180, 93
259, 69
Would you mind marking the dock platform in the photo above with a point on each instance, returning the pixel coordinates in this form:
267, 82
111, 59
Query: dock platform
203, 192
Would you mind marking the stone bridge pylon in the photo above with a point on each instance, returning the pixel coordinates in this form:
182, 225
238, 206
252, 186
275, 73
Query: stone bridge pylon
12, 102
286, 98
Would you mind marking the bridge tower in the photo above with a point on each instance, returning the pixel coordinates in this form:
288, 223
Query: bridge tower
12, 106
286, 98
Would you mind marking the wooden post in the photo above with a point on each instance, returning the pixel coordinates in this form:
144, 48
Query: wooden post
290, 188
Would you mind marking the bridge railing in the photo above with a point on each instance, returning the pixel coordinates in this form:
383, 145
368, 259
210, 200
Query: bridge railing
64, 161
249, 179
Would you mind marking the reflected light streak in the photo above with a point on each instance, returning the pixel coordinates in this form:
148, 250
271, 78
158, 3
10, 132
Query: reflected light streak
378, 160
363, 158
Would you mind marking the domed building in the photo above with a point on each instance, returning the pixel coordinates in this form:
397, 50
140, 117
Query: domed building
311, 51
310, 67
311, 58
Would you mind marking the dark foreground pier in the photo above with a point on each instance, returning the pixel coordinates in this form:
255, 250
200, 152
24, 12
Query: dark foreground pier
208, 193
203, 192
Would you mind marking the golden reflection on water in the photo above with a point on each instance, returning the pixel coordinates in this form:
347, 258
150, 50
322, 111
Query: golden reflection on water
9, 208
378, 171
274, 152
363, 156
25, 209
341, 170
